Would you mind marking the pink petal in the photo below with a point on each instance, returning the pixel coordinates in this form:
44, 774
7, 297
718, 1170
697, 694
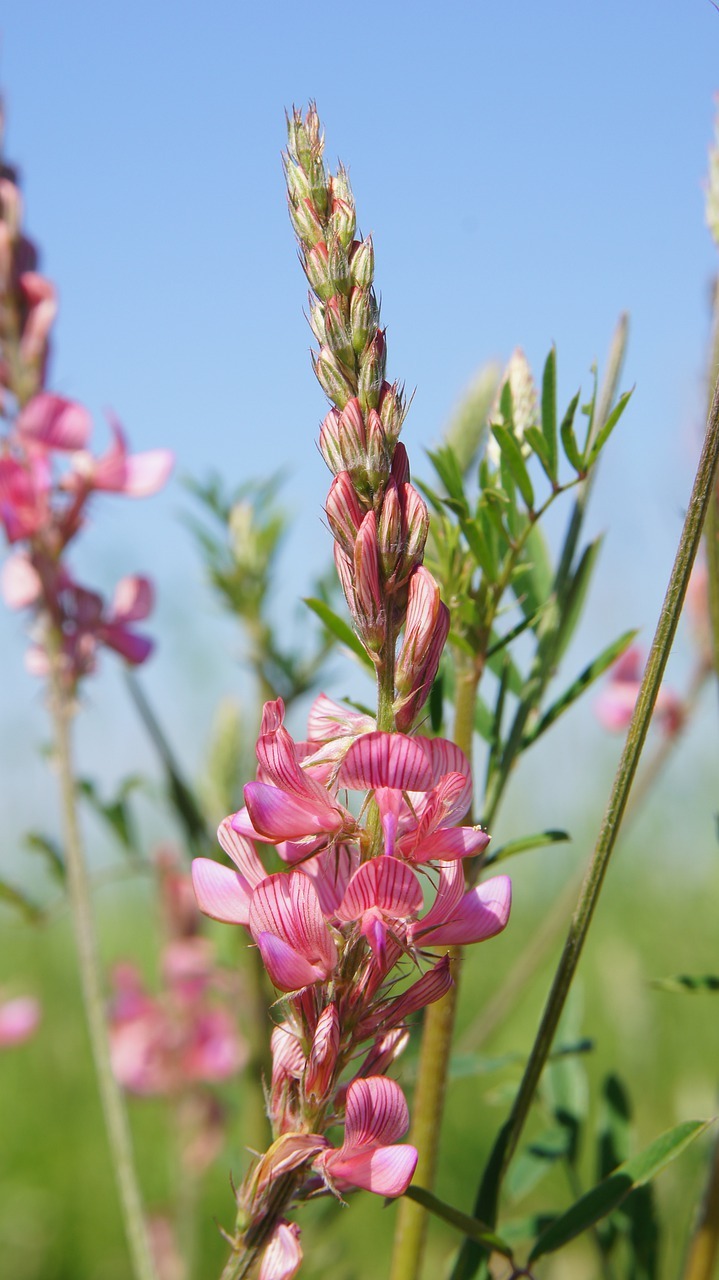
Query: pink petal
287, 906
279, 815
386, 760
329, 720
283, 1255
287, 969
134, 648
133, 599
376, 1112
387, 1171
330, 873
146, 473
54, 422
482, 913
430, 987
19, 582
222, 893
241, 851
449, 842
19, 1018
385, 883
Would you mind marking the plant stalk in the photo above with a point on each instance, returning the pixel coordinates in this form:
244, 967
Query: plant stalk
699, 502
113, 1106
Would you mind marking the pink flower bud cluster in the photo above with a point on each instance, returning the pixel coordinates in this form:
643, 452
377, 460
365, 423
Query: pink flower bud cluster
48, 475
346, 928
378, 519
185, 1037
615, 705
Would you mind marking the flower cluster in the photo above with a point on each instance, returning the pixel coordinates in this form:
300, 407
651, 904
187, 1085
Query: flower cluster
362, 892
48, 475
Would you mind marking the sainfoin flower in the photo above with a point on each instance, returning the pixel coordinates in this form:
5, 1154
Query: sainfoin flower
615, 705
19, 1019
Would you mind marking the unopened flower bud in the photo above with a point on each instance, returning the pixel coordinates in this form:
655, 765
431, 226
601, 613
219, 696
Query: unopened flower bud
317, 270
392, 411
389, 531
377, 456
339, 266
344, 511
352, 437
364, 317
362, 263
337, 331
425, 634
343, 220
317, 320
329, 442
332, 376
400, 465
371, 372
299, 186
305, 220
415, 525
323, 1055
368, 595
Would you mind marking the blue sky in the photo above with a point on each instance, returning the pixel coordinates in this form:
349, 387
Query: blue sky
528, 171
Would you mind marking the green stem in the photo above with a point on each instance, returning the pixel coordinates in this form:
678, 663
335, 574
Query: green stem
704, 1244
115, 1115
589, 894
437, 1036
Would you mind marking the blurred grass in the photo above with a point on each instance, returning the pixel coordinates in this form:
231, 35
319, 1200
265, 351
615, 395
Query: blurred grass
58, 1216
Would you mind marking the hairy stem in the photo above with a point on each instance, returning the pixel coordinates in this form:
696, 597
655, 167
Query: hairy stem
113, 1107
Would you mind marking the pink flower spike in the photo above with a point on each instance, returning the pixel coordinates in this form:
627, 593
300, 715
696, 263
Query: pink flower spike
376, 1115
222, 893
54, 423
287, 924
282, 1258
19, 1020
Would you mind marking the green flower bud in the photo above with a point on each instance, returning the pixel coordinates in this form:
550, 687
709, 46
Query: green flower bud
333, 377
339, 266
371, 372
362, 263
337, 331
364, 317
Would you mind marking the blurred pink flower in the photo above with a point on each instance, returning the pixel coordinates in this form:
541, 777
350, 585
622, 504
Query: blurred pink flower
615, 705
19, 1019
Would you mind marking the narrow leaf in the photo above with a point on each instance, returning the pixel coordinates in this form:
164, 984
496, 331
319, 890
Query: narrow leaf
615, 1124
470, 1227
500, 642
538, 445
606, 429
533, 577
525, 843
575, 595
572, 451
50, 850
449, 471
549, 409
610, 1193
17, 899
583, 681
514, 458
340, 629
688, 982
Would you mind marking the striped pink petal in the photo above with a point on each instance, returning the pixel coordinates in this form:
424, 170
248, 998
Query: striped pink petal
329, 720
133, 599
481, 913
430, 987
386, 760
283, 1255
241, 851
330, 873
287, 968
387, 1171
280, 815
222, 893
384, 883
54, 422
446, 843
286, 906
376, 1113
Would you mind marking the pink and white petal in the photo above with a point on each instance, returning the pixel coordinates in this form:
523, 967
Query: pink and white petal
287, 905
447, 757
385, 883
329, 720
330, 873
450, 891
222, 893
282, 1257
482, 913
376, 1113
391, 805
386, 760
279, 815
55, 423
448, 843
241, 851
287, 969
20, 583
147, 473
387, 1171
273, 715
133, 600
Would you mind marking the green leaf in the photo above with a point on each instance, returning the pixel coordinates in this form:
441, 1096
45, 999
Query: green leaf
483, 719
549, 410
538, 445
17, 899
583, 681
449, 471
607, 428
115, 813
576, 593
340, 629
514, 458
501, 661
536, 1160
572, 451
688, 982
532, 578
524, 844
612, 1191
614, 1126
470, 1227
50, 850
479, 546
500, 642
